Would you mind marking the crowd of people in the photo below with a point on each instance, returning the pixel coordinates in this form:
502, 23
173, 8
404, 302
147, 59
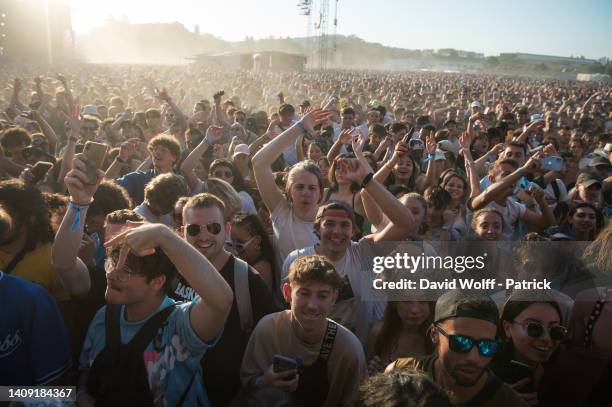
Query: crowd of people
188, 236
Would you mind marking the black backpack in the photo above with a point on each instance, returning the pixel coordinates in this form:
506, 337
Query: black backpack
118, 376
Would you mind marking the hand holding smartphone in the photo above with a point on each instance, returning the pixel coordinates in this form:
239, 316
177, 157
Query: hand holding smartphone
95, 154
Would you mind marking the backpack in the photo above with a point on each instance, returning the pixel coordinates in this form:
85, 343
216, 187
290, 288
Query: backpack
118, 376
243, 294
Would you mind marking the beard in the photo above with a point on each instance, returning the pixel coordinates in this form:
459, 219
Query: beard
463, 381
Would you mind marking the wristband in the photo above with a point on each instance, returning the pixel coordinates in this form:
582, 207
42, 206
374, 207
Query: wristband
77, 218
521, 171
306, 133
258, 381
367, 179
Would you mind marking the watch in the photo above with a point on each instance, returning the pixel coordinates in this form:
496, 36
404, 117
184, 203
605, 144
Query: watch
367, 179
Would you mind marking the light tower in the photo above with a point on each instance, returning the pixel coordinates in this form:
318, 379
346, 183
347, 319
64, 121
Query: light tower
305, 7
322, 40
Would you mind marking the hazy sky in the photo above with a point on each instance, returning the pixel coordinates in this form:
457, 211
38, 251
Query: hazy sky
553, 27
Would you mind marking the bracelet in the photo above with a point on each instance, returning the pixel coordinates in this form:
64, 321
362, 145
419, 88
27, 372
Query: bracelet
77, 218
306, 133
367, 179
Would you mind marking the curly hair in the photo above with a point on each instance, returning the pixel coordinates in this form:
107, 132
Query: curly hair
164, 190
13, 136
26, 206
403, 388
109, 197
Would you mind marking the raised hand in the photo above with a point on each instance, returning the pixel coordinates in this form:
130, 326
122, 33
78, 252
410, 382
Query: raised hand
345, 136
314, 117
213, 134
77, 181
74, 121
162, 94
430, 143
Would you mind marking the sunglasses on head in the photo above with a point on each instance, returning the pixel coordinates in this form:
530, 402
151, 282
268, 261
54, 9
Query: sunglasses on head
536, 330
463, 343
194, 229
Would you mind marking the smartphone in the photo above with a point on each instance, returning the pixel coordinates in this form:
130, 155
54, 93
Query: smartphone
439, 155
518, 371
39, 170
551, 162
282, 363
408, 136
416, 144
95, 154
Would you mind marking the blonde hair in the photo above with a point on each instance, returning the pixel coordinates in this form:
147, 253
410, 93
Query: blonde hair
227, 194
307, 166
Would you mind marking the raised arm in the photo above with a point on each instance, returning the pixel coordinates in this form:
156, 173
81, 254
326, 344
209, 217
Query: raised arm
345, 136
538, 124
263, 159
71, 270
195, 156
494, 190
359, 170
210, 312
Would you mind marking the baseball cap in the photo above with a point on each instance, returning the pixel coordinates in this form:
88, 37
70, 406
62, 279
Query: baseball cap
587, 179
41, 147
599, 161
466, 304
305, 103
475, 104
241, 149
90, 110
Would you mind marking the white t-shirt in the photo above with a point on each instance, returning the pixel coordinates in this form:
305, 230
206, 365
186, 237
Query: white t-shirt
144, 211
290, 233
356, 313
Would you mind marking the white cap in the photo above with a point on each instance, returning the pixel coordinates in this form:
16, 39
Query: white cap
475, 104
241, 149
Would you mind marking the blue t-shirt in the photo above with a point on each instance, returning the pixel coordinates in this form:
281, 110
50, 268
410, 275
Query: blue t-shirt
172, 358
34, 347
135, 183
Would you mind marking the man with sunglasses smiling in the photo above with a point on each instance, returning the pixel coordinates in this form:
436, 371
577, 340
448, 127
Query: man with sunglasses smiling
464, 332
204, 227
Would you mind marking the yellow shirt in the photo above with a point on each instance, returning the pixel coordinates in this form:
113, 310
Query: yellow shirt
37, 267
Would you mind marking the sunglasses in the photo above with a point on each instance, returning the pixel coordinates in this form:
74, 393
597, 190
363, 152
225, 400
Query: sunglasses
536, 330
239, 247
194, 229
463, 344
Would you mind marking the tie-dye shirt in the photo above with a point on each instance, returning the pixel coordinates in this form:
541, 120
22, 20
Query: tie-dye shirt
172, 358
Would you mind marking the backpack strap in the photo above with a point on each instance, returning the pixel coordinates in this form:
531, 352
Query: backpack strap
556, 190
147, 332
328, 340
243, 294
111, 324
